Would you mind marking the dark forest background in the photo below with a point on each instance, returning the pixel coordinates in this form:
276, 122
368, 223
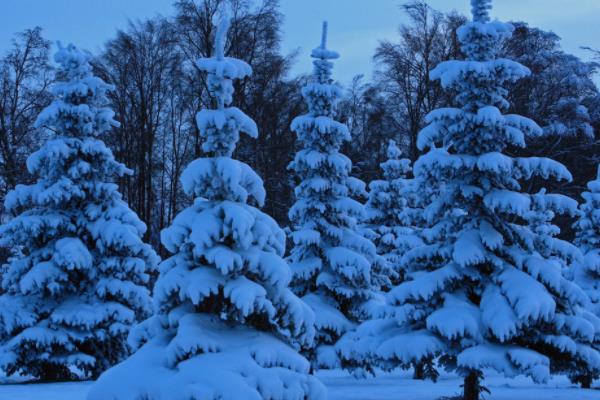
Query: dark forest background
158, 90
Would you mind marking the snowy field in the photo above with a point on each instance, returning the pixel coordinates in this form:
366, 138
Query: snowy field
396, 386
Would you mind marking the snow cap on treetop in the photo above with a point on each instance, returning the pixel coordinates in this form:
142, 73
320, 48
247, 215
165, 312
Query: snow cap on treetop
480, 9
324, 35
321, 52
222, 70
221, 35
72, 60
80, 97
322, 65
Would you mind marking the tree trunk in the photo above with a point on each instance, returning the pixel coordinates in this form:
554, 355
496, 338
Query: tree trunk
419, 370
471, 386
586, 381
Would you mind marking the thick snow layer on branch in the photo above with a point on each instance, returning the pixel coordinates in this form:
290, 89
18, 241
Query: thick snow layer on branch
529, 298
508, 360
232, 179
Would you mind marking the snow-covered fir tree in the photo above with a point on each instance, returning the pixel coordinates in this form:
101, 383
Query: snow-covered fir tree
226, 319
394, 213
587, 238
335, 266
77, 280
389, 211
485, 290
544, 207
587, 272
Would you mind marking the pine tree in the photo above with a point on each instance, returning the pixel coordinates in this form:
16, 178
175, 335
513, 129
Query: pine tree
587, 238
587, 273
335, 266
394, 213
226, 317
485, 290
389, 212
77, 280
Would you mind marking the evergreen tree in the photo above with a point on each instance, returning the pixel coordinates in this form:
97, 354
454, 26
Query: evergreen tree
77, 281
395, 212
389, 213
335, 266
587, 273
485, 290
587, 238
226, 316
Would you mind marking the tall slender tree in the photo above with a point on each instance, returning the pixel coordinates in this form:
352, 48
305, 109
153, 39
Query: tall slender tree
485, 290
403, 68
145, 65
226, 317
388, 212
77, 281
25, 76
334, 265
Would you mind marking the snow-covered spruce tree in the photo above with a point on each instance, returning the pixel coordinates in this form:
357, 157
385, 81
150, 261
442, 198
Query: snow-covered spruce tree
587, 273
226, 316
394, 213
388, 212
485, 290
587, 238
335, 266
543, 209
77, 281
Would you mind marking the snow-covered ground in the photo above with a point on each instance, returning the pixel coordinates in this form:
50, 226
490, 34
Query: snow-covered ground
399, 386
396, 386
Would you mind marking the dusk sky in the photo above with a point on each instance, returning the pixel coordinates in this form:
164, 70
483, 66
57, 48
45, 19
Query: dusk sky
356, 26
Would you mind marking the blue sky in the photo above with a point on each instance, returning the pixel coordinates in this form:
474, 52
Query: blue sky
356, 26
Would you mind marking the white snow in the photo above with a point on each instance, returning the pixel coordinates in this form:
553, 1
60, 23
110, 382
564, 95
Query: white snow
341, 386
